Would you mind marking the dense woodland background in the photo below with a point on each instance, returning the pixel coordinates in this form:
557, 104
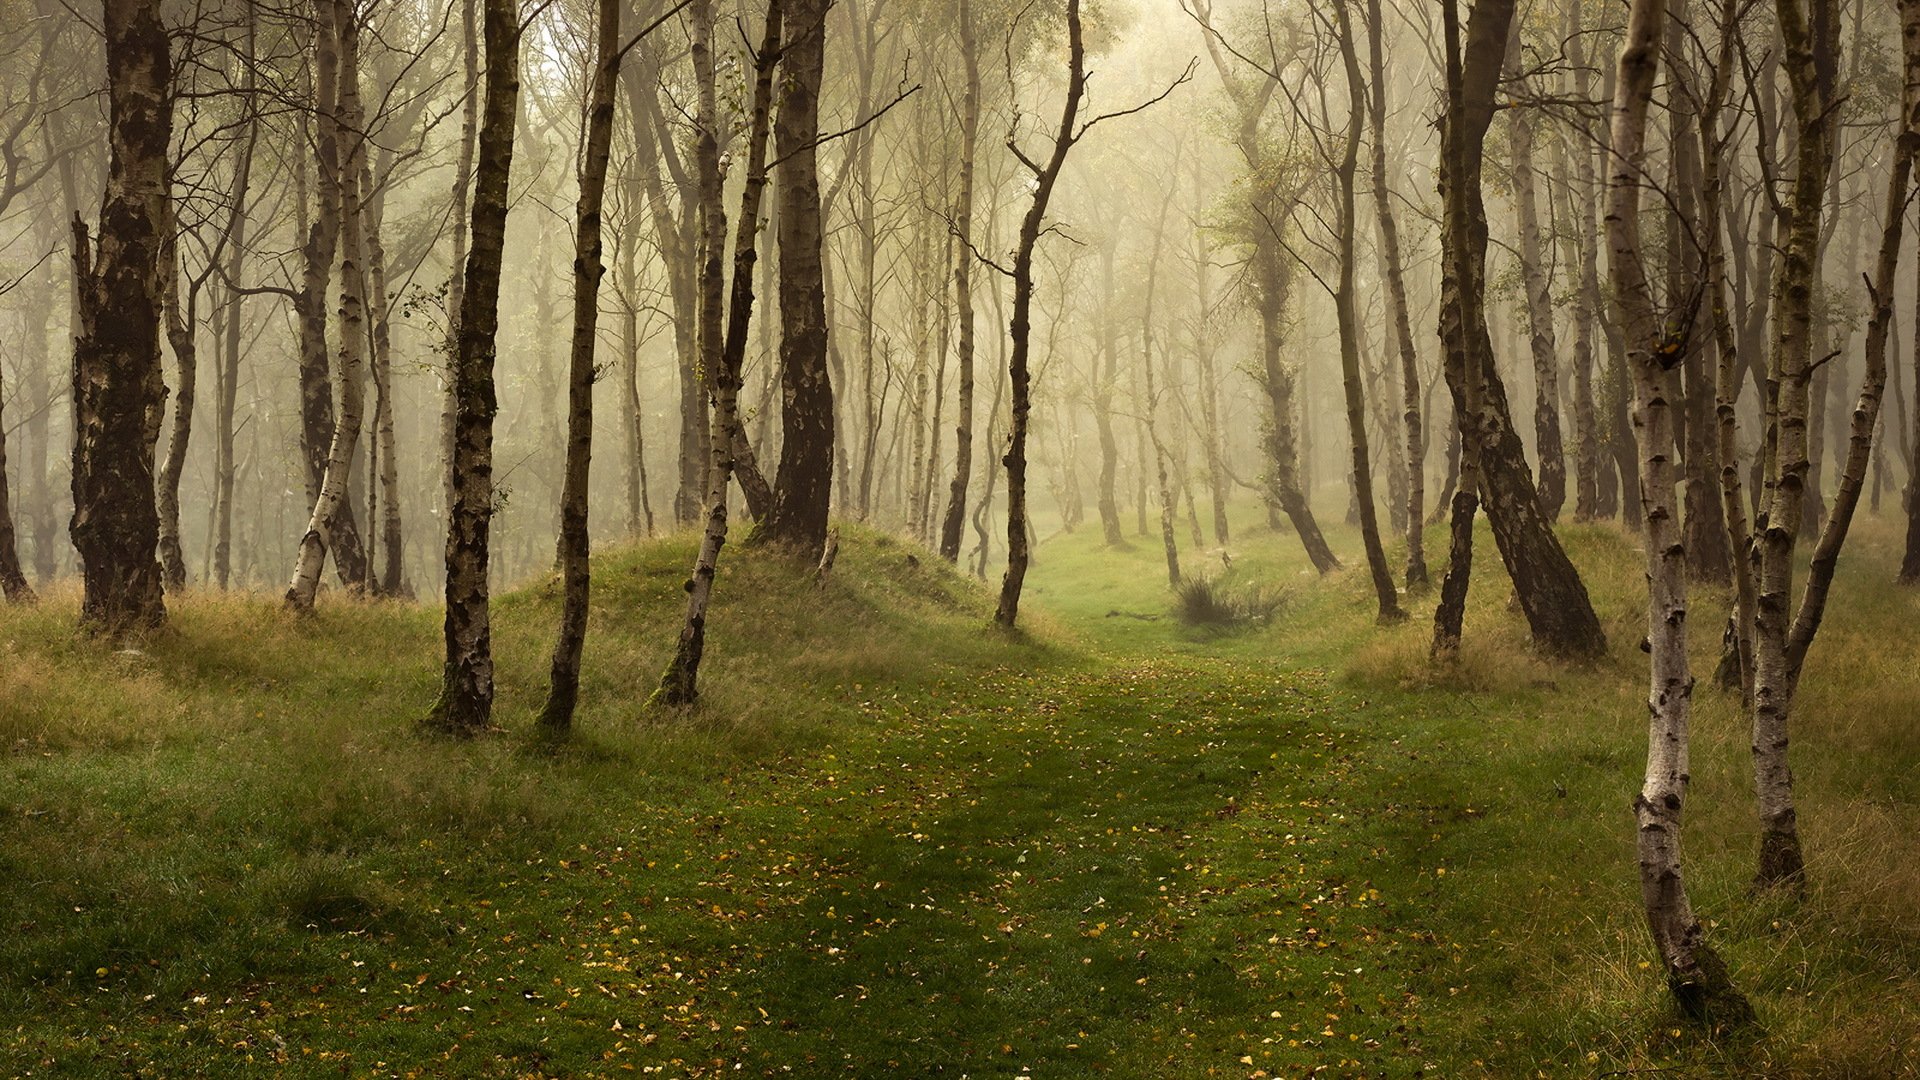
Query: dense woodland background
398, 310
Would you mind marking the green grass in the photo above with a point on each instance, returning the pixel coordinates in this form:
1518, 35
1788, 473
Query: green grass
892, 841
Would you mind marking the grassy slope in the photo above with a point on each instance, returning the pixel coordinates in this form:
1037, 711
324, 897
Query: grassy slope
893, 842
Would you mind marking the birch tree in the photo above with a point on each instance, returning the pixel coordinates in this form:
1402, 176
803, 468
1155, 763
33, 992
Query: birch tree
465, 704
1695, 973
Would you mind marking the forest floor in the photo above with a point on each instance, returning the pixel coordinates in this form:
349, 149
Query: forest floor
892, 841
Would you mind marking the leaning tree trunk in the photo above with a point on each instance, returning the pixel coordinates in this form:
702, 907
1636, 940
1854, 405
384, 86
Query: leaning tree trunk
680, 684
803, 485
465, 704
1554, 599
1348, 316
575, 548
955, 517
117, 388
332, 504
1695, 973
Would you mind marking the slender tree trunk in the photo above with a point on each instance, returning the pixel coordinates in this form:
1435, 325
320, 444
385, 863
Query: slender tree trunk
333, 504
1708, 555
117, 388
1582, 203
1387, 232
963, 291
680, 684
465, 704
1727, 354
803, 486
227, 372
1459, 289
1539, 295
13, 582
1778, 526
1695, 973
1203, 350
1865, 418
1150, 408
182, 329
1910, 560
1045, 176
574, 547
388, 573
462, 197
1347, 314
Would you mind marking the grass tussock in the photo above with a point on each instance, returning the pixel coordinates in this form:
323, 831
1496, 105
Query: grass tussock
1225, 603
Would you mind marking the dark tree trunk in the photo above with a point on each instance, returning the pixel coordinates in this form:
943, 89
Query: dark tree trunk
117, 388
1549, 589
1045, 175
465, 705
574, 547
803, 486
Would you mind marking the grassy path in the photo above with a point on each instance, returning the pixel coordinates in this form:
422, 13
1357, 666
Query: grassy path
892, 843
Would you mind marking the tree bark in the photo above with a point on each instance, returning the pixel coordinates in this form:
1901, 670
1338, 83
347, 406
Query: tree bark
575, 548
462, 197
803, 485
1460, 289
181, 320
227, 372
465, 704
1726, 402
13, 582
1696, 975
1778, 525
951, 523
1582, 201
680, 683
1347, 315
1549, 589
1865, 418
1045, 176
117, 388
1387, 231
332, 504
1541, 342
